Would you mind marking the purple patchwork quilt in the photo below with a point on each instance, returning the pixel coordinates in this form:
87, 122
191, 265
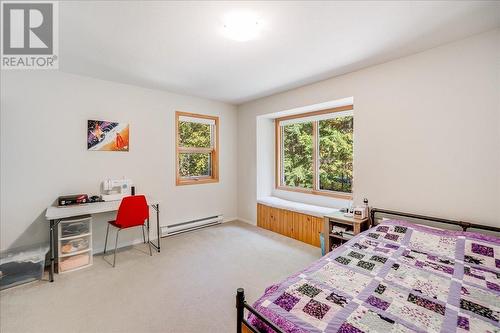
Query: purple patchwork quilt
395, 277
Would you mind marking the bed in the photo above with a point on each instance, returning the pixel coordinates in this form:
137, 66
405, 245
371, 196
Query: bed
395, 277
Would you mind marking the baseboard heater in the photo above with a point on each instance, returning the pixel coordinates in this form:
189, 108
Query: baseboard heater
178, 228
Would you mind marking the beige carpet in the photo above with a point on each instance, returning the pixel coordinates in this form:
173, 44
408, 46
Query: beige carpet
189, 287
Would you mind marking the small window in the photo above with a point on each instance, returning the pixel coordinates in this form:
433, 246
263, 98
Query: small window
197, 148
315, 152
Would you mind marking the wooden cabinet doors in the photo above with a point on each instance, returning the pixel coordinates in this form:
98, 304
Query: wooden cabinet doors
306, 228
263, 216
302, 227
285, 222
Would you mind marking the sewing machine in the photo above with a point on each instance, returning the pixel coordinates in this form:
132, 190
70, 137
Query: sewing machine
116, 189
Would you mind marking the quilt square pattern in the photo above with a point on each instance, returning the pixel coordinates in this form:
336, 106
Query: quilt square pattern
429, 262
311, 302
342, 278
414, 278
309, 290
467, 323
482, 254
388, 232
362, 260
395, 277
428, 314
366, 320
373, 246
316, 309
483, 277
480, 302
437, 244
286, 301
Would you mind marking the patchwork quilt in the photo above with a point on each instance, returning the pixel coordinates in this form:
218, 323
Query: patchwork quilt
395, 277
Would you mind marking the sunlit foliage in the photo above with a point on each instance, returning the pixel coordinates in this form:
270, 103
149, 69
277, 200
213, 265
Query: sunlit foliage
335, 154
194, 135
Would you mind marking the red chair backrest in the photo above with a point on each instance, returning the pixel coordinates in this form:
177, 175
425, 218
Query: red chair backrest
133, 211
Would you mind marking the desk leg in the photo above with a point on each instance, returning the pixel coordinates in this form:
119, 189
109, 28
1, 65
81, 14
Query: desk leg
158, 224
51, 249
157, 209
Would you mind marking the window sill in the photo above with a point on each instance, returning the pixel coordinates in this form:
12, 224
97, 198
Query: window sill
298, 207
331, 194
196, 181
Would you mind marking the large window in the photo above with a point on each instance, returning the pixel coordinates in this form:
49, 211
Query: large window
197, 148
314, 152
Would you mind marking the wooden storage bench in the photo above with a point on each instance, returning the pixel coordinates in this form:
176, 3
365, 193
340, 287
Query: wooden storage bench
289, 219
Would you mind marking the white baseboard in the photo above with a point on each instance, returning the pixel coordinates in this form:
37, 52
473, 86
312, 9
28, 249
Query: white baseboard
136, 241
246, 221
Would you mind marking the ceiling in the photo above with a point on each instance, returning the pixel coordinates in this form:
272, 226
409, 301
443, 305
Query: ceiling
177, 46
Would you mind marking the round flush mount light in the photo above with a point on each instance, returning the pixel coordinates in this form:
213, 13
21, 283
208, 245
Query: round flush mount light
241, 26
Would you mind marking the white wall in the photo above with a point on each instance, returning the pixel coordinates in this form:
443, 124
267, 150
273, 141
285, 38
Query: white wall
43, 151
427, 136
265, 156
427, 140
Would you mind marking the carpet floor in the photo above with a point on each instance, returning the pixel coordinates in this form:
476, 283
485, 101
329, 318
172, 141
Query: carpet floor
189, 287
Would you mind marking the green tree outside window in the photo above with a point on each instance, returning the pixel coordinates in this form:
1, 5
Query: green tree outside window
334, 149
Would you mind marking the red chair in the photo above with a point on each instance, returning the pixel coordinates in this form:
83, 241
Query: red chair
133, 212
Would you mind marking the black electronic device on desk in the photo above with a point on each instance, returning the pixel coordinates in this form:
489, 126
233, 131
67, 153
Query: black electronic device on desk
96, 198
76, 199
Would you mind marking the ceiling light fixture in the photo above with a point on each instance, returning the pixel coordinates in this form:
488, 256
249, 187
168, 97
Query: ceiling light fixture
241, 26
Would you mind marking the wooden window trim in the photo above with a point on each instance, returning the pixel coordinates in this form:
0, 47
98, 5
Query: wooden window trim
315, 190
214, 178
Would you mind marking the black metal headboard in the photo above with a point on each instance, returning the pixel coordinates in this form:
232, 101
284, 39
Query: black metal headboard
463, 225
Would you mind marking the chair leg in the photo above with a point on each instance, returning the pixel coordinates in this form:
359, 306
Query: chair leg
143, 236
149, 243
116, 245
106, 241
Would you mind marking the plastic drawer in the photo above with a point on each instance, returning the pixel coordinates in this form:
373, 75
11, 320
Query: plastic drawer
72, 228
74, 262
73, 245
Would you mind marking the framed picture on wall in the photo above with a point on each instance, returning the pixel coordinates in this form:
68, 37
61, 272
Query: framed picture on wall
105, 135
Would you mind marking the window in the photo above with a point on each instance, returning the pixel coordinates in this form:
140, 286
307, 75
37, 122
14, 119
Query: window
314, 152
196, 148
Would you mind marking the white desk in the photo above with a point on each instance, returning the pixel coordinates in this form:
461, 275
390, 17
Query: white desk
54, 214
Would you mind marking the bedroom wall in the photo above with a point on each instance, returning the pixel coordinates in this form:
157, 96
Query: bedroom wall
44, 155
427, 136
265, 156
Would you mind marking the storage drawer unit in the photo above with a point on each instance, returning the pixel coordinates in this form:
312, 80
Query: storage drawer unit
75, 227
302, 227
74, 245
75, 261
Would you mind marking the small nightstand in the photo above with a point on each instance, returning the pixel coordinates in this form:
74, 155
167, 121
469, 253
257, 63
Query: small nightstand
350, 224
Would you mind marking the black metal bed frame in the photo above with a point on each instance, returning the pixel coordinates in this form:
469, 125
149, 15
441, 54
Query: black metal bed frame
461, 224
241, 303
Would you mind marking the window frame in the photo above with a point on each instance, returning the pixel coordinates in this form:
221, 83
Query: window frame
214, 152
278, 158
